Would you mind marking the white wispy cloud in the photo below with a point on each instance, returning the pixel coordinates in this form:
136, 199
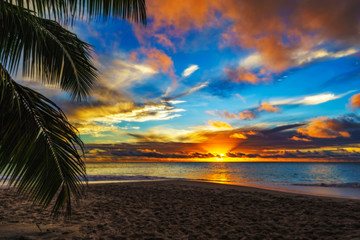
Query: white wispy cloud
302, 57
190, 70
97, 130
117, 113
176, 101
309, 100
252, 61
188, 92
124, 74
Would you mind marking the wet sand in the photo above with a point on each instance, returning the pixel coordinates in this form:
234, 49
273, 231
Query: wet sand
184, 210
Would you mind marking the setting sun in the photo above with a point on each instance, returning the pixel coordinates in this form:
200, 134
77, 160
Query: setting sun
220, 157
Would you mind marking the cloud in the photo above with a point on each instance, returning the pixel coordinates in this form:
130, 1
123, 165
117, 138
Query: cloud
188, 92
156, 59
173, 102
182, 17
124, 73
189, 152
241, 97
302, 57
261, 143
125, 111
267, 108
324, 127
252, 69
108, 107
355, 101
154, 154
190, 70
317, 99
287, 34
245, 115
112, 106
252, 61
243, 135
97, 130
309, 100
295, 138
219, 124
164, 41
248, 114
238, 135
227, 115
244, 75
160, 134
211, 113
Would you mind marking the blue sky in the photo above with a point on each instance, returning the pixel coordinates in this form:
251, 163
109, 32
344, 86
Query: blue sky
223, 74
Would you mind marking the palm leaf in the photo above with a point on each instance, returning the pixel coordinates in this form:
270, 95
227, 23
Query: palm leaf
48, 52
68, 10
38, 147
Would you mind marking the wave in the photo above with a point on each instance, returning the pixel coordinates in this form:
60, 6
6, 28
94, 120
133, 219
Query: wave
340, 185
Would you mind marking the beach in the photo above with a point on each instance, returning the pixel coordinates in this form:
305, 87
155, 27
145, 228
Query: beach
184, 210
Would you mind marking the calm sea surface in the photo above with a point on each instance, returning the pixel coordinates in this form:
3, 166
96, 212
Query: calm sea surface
312, 174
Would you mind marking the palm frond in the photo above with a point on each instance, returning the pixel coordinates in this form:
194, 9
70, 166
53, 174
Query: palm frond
68, 10
49, 52
40, 153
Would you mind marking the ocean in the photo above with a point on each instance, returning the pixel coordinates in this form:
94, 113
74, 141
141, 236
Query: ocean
275, 173
328, 179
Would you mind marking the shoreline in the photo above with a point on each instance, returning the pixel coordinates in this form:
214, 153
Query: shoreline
179, 209
317, 191
320, 191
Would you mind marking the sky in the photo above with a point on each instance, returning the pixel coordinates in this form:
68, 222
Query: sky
223, 81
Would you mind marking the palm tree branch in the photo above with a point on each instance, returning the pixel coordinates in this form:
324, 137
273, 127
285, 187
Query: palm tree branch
39, 148
48, 51
67, 11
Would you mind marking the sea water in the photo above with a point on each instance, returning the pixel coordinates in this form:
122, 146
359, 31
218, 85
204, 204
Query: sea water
329, 179
297, 173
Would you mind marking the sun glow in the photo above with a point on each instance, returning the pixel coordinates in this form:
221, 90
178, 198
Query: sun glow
220, 157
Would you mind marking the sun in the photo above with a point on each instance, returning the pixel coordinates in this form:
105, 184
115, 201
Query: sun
219, 159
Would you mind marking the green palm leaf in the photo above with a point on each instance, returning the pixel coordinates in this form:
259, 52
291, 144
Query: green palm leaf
38, 147
40, 152
49, 52
68, 10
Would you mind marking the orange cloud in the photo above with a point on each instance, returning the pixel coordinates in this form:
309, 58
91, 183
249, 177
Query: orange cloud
324, 127
219, 124
243, 135
244, 115
183, 15
247, 114
284, 28
211, 113
355, 101
295, 138
252, 133
242, 74
238, 135
230, 115
268, 108
157, 59
165, 41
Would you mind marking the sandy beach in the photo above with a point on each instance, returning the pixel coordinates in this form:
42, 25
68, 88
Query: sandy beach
184, 210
